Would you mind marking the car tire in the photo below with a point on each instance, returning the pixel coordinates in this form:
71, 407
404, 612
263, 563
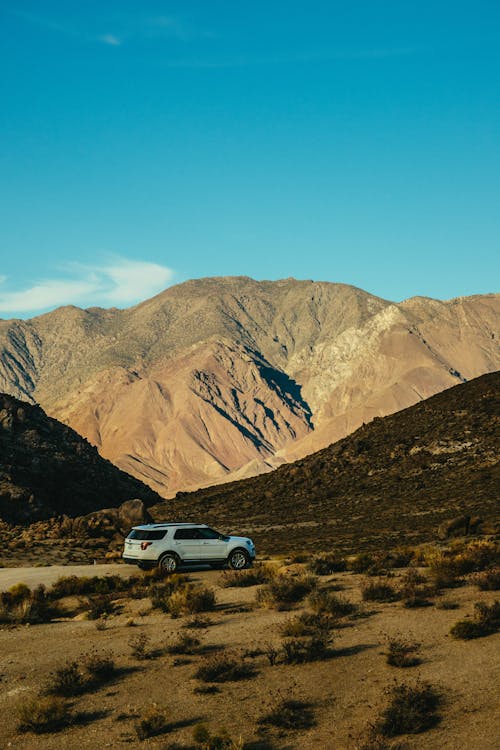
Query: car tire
169, 563
238, 559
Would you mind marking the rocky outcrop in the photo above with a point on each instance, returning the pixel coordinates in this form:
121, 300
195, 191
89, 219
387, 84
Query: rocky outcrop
47, 469
229, 377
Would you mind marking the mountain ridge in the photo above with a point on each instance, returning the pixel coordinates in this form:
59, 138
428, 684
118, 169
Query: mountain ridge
230, 376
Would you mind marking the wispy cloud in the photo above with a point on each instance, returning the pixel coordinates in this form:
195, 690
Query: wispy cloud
118, 283
125, 27
110, 39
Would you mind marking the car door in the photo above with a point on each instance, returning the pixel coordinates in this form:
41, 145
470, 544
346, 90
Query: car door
187, 543
213, 545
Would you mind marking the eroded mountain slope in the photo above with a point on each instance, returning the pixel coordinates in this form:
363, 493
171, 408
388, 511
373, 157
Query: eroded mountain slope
225, 377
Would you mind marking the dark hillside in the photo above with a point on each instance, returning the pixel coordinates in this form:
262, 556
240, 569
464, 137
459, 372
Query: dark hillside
47, 469
392, 481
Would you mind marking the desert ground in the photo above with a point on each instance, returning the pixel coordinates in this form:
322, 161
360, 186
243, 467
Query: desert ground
341, 693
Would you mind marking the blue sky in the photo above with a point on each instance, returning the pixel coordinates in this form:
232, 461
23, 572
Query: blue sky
145, 143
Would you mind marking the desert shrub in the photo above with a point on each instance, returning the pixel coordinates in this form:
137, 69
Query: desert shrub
413, 590
401, 653
411, 710
185, 644
489, 580
198, 622
151, 722
444, 572
288, 714
100, 667
378, 591
308, 623
99, 606
44, 714
140, 646
447, 604
67, 680
475, 556
285, 590
310, 648
160, 590
205, 740
485, 622
224, 668
400, 557
362, 563
326, 603
18, 593
190, 599
327, 563
20, 605
488, 614
259, 573
82, 585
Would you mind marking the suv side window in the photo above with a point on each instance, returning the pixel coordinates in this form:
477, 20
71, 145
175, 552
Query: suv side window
187, 534
209, 534
144, 535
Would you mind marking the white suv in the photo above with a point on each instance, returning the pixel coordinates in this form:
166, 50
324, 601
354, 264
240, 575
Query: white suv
169, 545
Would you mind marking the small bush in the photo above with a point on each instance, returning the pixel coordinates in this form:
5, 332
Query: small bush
140, 646
152, 723
401, 653
18, 593
311, 648
67, 680
254, 576
486, 621
160, 590
411, 710
224, 668
190, 600
286, 590
100, 606
43, 715
308, 623
325, 603
362, 563
327, 563
413, 591
100, 667
489, 580
20, 605
205, 740
81, 585
185, 644
288, 714
198, 622
379, 591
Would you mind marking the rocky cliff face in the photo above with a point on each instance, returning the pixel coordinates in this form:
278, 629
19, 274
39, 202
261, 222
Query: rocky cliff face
229, 377
46, 469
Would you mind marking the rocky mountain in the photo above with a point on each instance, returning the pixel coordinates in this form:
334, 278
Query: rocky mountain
393, 481
47, 469
222, 378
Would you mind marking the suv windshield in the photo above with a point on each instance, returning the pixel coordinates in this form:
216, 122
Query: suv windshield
147, 535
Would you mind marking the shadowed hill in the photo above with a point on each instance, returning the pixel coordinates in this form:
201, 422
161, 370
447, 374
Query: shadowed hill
392, 481
47, 469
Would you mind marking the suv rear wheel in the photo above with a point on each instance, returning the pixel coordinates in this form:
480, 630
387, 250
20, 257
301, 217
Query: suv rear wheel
238, 559
168, 562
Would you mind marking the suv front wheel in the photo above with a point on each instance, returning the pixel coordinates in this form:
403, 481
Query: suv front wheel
168, 562
238, 559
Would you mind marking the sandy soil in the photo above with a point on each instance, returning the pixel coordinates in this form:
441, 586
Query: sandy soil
346, 690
